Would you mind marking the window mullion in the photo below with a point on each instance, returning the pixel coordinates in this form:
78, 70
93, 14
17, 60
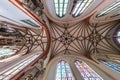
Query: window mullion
59, 8
66, 72
78, 7
63, 7
86, 71
63, 71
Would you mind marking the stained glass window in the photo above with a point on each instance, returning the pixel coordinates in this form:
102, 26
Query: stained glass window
110, 8
30, 22
61, 7
112, 65
6, 52
118, 36
87, 72
80, 6
63, 71
11, 71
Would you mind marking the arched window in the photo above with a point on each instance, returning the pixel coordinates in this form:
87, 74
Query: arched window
112, 65
63, 71
86, 72
118, 36
61, 7
110, 8
79, 6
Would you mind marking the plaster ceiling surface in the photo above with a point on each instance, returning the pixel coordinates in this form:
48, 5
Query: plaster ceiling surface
81, 36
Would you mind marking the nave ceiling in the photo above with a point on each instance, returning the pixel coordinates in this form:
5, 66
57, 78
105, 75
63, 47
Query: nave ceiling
84, 38
25, 40
84, 34
88, 34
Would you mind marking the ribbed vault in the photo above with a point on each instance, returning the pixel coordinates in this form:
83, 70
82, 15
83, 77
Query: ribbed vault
82, 38
26, 39
34, 39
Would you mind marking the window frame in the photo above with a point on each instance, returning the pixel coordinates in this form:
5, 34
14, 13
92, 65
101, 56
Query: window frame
63, 9
77, 11
87, 70
109, 9
110, 65
66, 65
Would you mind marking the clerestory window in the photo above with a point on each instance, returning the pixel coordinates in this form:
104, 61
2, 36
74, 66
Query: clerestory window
61, 7
80, 6
63, 71
87, 72
110, 8
112, 65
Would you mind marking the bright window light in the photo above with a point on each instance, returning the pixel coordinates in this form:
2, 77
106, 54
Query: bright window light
61, 7
110, 8
86, 72
27, 21
6, 52
118, 36
63, 71
80, 6
8, 73
112, 65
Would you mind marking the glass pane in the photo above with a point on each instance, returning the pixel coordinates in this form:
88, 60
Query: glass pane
112, 65
110, 8
66, 1
63, 71
80, 6
56, 1
61, 1
87, 72
56, 5
16, 68
61, 7
118, 36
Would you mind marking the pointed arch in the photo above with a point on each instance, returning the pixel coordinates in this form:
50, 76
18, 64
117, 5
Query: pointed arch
118, 36
110, 8
63, 71
79, 6
111, 65
61, 7
86, 72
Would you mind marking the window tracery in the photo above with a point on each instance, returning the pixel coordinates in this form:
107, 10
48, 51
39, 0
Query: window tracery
110, 8
63, 71
118, 36
61, 7
112, 65
80, 6
86, 72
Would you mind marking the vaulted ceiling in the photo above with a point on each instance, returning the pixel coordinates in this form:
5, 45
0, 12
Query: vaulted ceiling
26, 40
92, 31
85, 34
83, 38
